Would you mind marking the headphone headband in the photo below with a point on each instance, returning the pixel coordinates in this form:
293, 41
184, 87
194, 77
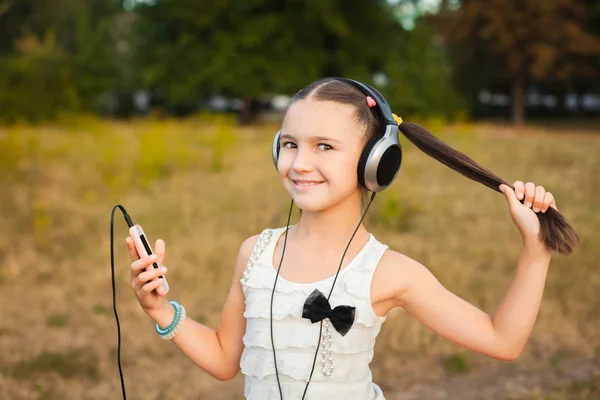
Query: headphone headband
382, 103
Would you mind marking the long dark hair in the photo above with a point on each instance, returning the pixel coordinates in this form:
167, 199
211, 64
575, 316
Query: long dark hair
556, 232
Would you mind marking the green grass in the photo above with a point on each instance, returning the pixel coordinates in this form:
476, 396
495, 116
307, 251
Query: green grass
457, 363
71, 364
58, 320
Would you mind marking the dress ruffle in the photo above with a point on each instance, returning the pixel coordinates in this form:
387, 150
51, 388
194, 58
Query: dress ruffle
258, 362
267, 389
302, 334
296, 338
289, 299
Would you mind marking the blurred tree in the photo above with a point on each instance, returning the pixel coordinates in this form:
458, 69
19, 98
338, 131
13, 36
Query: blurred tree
56, 55
37, 83
420, 74
518, 41
87, 55
189, 49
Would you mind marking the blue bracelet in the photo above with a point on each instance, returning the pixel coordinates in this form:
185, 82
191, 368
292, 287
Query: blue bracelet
169, 329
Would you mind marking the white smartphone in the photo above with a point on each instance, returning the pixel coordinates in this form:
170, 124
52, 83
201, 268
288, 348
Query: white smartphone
143, 248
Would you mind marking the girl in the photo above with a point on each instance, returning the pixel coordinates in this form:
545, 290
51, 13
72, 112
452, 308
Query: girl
268, 326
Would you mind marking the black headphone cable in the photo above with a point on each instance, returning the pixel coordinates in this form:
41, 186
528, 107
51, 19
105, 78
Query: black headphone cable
114, 291
330, 292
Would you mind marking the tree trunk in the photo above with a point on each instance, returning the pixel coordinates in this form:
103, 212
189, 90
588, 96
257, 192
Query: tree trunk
518, 101
246, 115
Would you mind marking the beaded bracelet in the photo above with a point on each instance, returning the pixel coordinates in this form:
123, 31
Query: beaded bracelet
177, 327
178, 320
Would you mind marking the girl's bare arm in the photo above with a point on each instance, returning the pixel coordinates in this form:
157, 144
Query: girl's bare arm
218, 352
502, 335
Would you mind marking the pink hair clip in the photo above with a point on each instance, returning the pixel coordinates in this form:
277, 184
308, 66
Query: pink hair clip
371, 102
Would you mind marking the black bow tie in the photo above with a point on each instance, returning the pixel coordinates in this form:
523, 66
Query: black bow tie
317, 307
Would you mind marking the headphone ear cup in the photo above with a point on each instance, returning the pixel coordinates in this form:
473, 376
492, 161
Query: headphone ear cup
389, 165
275, 150
383, 169
364, 157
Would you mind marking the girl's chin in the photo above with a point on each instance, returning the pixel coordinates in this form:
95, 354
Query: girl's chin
309, 204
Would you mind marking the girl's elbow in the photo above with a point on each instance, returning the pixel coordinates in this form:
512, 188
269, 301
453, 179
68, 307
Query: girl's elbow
509, 354
514, 355
228, 374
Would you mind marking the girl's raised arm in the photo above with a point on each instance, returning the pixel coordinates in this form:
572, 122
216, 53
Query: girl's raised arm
504, 334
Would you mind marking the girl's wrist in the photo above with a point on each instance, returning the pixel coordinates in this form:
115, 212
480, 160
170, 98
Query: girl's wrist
536, 246
164, 315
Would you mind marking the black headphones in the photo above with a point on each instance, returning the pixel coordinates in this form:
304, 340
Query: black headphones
381, 158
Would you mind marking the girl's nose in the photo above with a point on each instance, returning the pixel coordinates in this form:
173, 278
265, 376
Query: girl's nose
302, 161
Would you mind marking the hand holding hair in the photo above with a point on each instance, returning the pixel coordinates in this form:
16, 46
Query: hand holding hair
536, 200
554, 230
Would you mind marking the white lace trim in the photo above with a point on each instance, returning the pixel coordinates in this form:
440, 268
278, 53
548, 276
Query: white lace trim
261, 244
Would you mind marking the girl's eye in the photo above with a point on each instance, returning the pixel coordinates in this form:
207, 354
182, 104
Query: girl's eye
324, 147
289, 145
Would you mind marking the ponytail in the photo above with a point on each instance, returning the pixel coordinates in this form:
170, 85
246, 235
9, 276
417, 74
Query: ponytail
556, 232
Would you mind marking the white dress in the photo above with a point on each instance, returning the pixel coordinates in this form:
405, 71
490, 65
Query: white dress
296, 338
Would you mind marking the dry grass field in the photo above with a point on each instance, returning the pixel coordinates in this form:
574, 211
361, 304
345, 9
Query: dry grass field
204, 185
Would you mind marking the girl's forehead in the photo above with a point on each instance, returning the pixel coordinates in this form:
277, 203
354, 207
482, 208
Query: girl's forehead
308, 117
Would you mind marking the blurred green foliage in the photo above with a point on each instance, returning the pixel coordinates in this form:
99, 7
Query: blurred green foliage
60, 55
38, 82
72, 56
395, 211
93, 57
420, 77
250, 48
72, 363
457, 363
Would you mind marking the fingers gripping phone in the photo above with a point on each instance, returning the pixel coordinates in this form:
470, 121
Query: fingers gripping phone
143, 248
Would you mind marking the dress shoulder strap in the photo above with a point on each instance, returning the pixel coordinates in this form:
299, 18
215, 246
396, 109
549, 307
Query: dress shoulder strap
374, 255
360, 283
261, 244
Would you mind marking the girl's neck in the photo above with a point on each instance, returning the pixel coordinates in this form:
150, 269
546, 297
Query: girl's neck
334, 224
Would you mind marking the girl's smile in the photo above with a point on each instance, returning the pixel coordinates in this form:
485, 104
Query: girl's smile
303, 185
